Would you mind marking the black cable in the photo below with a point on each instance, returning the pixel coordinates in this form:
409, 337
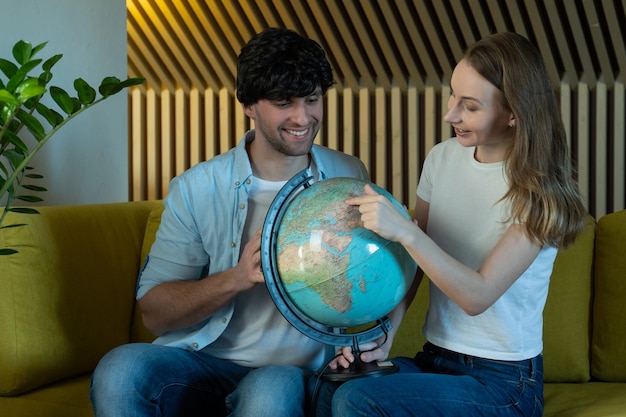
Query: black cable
320, 372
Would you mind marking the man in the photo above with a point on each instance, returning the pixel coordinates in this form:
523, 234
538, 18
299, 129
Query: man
223, 347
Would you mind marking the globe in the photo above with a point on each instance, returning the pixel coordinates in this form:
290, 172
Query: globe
331, 278
333, 269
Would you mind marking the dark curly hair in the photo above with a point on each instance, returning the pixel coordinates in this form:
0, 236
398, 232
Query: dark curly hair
278, 64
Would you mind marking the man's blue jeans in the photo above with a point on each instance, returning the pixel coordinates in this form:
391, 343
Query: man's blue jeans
142, 379
438, 382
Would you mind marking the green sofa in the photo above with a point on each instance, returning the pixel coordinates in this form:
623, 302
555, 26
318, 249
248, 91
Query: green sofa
68, 297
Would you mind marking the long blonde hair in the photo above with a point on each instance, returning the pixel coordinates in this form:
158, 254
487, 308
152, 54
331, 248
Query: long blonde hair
542, 191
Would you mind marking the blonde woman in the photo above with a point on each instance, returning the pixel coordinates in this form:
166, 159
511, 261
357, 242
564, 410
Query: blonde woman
494, 205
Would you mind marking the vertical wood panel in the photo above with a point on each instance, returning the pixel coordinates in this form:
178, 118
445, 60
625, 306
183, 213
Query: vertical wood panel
380, 138
153, 142
168, 140
601, 149
619, 147
181, 108
397, 168
413, 144
364, 127
582, 142
137, 145
349, 118
196, 132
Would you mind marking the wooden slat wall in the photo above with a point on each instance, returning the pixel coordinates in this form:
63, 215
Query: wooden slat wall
392, 61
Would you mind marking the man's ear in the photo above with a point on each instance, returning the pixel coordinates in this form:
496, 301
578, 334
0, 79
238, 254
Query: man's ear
249, 111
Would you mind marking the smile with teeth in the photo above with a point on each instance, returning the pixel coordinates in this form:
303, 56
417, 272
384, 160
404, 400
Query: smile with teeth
297, 132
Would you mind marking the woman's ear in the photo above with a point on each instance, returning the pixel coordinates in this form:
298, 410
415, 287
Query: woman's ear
512, 120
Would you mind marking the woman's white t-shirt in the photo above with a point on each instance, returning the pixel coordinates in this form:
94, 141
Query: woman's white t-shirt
466, 219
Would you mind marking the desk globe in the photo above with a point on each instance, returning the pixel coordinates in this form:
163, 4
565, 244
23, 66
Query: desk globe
331, 278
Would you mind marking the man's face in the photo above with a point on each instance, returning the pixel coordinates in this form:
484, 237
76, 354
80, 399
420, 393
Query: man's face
288, 126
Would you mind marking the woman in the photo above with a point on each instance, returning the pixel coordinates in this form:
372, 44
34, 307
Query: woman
494, 205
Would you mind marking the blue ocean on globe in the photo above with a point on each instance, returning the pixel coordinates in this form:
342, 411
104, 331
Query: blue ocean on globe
334, 270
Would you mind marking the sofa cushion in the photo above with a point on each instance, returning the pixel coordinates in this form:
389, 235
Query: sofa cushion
608, 361
66, 297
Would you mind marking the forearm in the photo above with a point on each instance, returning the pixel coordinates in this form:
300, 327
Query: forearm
179, 304
474, 290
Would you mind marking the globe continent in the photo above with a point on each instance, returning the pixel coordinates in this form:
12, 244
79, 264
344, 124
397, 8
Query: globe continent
334, 270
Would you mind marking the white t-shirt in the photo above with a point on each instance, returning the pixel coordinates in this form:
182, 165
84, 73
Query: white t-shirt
258, 334
466, 219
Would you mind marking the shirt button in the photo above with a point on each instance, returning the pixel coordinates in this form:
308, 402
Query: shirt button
237, 183
195, 345
248, 181
224, 319
233, 244
242, 206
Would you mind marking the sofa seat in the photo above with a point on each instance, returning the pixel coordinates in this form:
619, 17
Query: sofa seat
66, 398
591, 399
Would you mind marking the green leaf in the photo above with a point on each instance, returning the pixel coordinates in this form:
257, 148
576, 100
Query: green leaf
86, 93
29, 198
110, 86
8, 68
28, 89
45, 77
29, 66
22, 51
34, 187
52, 116
47, 66
63, 99
34, 176
38, 48
7, 251
132, 82
76, 104
7, 110
23, 210
14, 157
16, 141
7, 97
33, 125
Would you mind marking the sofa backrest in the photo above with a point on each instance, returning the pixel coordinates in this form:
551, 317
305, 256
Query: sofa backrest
67, 297
608, 360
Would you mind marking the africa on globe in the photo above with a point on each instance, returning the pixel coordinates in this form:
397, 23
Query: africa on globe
332, 269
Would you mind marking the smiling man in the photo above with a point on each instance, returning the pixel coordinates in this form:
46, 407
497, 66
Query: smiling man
223, 347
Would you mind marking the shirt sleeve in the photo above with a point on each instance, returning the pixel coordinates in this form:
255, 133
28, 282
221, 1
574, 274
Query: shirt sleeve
178, 252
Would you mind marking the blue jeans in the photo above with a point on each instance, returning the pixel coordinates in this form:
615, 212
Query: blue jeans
438, 382
143, 379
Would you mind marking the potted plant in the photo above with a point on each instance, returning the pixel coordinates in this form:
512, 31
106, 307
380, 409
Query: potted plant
21, 109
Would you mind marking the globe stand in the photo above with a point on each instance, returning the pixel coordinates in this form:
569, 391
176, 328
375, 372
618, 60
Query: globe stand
359, 369
315, 330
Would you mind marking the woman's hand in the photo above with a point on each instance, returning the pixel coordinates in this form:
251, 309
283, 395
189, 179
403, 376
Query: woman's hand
381, 216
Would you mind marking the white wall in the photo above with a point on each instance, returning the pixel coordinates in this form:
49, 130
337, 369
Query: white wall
87, 160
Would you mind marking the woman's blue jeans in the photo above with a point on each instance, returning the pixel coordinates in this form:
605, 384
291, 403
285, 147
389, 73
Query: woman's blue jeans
438, 382
142, 379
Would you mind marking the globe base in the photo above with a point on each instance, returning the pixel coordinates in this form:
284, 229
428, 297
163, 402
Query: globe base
359, 369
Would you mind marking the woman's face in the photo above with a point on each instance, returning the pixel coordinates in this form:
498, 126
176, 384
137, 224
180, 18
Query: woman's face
477, 114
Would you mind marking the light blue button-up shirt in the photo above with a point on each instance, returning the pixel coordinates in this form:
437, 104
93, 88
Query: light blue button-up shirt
202, 225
